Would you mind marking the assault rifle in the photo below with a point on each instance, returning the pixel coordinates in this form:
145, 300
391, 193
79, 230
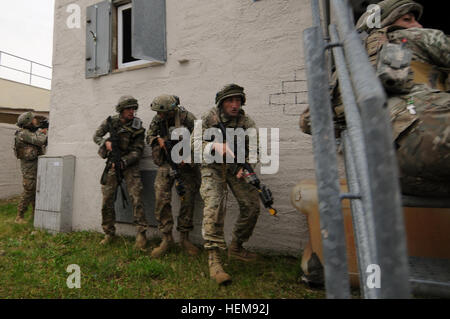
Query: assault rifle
114, 158
264, 193
179, 185
44, 124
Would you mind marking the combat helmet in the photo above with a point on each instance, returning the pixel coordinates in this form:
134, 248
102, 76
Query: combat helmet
126, 102
25, 119
165, 103
228, 91
391, 10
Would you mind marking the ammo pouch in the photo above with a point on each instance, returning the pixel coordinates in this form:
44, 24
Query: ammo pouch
394, 68
26, 152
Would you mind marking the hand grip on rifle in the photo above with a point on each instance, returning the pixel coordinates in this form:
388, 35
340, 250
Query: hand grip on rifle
167, 148
179, 185
115, 161
44, 124
264, 193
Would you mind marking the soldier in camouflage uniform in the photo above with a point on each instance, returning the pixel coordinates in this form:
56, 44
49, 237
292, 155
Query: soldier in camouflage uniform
29, 143
419, 102
216, 177
131, 144
420, 105
171, 116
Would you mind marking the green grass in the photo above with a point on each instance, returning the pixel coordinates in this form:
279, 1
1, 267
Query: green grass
33, 264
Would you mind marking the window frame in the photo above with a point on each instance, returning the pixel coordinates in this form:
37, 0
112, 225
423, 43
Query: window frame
120, 64
148, 36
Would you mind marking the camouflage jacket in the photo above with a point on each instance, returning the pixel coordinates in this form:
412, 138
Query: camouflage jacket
427, 45
430, 64
29, 145
212, 119
430, 53
131, 139
182, 118
186, 119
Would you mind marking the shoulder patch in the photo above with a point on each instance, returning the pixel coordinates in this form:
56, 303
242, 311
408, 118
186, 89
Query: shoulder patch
137, 123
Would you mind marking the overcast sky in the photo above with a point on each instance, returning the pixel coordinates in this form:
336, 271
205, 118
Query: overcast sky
26, 30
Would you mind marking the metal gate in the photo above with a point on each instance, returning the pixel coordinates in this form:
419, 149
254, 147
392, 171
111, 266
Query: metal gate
370, 165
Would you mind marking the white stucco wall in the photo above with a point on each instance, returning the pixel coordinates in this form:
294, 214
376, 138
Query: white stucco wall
255, 44
11, 177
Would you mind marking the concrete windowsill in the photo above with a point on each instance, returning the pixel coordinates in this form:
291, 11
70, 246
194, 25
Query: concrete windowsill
137, 67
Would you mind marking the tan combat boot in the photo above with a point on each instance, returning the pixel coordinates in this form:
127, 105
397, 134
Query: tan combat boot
238, 252
187, 245
108, 239
141, 240
216, 271
165, 245
20, 220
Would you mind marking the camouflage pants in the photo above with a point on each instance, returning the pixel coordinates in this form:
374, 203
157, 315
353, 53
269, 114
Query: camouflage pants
163, 193
132, 177
423, 149
213, 191
29, 173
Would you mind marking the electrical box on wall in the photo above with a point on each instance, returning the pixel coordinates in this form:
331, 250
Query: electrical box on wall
54, 193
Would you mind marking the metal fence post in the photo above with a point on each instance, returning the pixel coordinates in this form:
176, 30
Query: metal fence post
383, 172
331, 219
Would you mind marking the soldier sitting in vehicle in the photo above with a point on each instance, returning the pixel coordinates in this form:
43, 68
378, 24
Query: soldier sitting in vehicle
419, 106
413, 65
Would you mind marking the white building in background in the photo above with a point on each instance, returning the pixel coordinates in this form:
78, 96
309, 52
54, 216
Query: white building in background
190, 48
21, 90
